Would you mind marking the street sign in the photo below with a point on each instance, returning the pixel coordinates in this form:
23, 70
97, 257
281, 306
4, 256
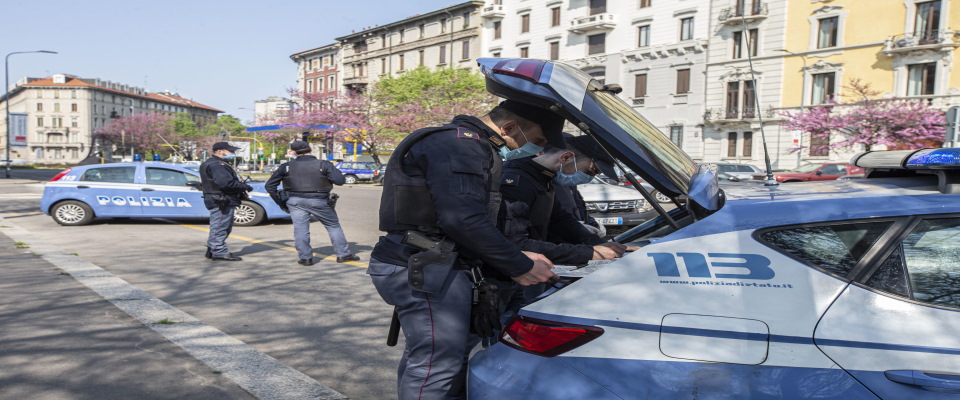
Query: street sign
18, 130
953, 122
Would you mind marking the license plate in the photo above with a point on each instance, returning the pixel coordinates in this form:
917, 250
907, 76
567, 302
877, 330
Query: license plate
610, 221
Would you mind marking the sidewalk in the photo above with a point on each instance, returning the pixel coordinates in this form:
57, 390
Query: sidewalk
60, 340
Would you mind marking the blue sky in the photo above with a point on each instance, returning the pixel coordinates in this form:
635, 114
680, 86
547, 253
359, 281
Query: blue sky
225, 54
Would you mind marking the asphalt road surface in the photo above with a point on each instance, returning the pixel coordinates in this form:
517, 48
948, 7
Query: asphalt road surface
325, 320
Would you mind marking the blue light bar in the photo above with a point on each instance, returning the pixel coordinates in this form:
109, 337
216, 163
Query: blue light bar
935, 159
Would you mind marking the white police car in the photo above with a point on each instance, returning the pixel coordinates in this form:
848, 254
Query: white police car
77, 195
821, 290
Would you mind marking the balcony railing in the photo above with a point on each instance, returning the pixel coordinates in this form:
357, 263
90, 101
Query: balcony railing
639, 101
732, 15
928, 40
356, 80
680, 99
598, 22
732, 113
493, 11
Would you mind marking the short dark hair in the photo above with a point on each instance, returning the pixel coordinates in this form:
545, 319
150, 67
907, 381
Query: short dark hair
303, 151
500, 115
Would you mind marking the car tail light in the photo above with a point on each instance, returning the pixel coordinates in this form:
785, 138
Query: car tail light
546, 338
60, 175
529, 69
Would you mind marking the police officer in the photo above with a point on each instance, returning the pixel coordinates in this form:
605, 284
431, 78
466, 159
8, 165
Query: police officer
222, 192
443, 189
308, 182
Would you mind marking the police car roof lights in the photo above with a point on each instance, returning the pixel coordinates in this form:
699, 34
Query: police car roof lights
546, 338
524, 68
935, 159
944, 163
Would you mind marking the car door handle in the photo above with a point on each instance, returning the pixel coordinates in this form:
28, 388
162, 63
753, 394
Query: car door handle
925, 379
148, 189
83, 187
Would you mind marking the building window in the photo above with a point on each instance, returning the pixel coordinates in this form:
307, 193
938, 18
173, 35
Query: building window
749, 100
383, 62
74, 123
57, 122
737, 45
819, 145
554, 50
443, 54
752, 36
598, 7
73, 94
333, 81
40, 93
401, 35
496, 55
39, 106
466, 50
643, 36
525, 23
686, 28
733, 100
597, 44
640, 85
827, 34
310, 86
466, 19
496, 30
644, 3
524, 52
421, 58
676, 135
360, 47
683, 81
401, 61
422, 30
555, 16
921, 79
750, 41
747, 145
56, 107
731, 144
443, 25
927, 24
39, 122
56, 93
73, 107
823, 88
599, 75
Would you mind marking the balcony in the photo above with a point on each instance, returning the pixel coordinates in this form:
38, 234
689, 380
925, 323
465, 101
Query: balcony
680, 99
592, 23
732, 15
942, 40
493, 11
639, 101
356, 80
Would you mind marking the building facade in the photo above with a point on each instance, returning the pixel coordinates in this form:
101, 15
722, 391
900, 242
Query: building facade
270, 108
64, 111
319, 73
449, 37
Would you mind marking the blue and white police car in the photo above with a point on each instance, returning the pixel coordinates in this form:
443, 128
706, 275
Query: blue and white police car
77, 195
820, 290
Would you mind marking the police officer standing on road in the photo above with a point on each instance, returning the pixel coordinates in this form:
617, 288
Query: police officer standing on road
222, 192
308, 181
439, 208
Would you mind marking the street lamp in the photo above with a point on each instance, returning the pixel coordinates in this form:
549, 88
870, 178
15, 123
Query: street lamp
6, 87
803, 95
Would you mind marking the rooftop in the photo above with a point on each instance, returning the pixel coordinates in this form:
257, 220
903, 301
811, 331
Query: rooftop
74, 81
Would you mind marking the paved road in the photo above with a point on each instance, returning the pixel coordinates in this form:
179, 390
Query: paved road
325, 320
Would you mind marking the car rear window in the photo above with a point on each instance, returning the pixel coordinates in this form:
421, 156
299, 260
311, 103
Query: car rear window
745, 168
834, 248
109, 174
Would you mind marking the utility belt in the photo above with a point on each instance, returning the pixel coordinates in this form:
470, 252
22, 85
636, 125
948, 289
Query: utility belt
221, 199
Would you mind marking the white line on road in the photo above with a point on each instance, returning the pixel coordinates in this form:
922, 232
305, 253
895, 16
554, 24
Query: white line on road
259, 374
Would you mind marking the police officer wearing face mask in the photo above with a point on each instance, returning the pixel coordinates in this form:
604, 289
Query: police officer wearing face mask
222, 192
439, 208
308, 182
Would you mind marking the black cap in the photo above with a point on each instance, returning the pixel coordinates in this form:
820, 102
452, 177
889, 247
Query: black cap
224, 146
550, 123
299, 146
589, 147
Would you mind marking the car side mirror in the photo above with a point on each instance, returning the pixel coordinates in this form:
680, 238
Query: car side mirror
195, 185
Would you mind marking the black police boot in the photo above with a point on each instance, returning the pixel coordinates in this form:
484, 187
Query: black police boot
352, 257
209, 253
228, 257
308, 261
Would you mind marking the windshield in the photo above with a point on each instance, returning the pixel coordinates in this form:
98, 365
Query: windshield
806, 168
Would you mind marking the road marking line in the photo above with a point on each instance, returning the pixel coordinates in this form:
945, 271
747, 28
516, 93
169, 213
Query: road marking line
261, 375
269, 244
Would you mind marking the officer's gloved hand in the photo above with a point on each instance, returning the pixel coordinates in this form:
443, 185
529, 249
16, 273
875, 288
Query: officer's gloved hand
485, 316
247, 187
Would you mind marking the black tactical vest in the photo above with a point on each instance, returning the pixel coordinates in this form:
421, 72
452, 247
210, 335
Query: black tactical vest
406, 203
542, 207
306, 176
206, 177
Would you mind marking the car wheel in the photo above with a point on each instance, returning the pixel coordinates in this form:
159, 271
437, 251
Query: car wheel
661, 198
350, 179
248, 213
72, 213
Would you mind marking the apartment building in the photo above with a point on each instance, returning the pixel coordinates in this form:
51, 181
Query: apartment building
654, 49
64, 111
449, 37
270, 108
318, 71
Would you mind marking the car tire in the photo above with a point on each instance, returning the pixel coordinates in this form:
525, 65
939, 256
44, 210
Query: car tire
661, 198
71, 213
350, 179
248, 213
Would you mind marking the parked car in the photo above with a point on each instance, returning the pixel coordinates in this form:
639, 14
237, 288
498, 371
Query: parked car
380, 173
825, 290
814, 172
354, 171
77, 195
270, 168
617, 208
660, 197
742, 171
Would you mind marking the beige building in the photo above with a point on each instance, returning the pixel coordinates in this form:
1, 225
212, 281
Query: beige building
64, 111
449, 37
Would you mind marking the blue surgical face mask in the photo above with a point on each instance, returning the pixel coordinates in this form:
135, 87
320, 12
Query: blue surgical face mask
574, 179
230, 156
527, 150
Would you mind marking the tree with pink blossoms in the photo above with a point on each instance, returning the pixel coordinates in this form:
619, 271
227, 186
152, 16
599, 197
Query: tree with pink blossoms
144, 132
869, 121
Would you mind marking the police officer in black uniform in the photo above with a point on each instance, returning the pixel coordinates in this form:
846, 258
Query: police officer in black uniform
308, 181
222, 192
439, 207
